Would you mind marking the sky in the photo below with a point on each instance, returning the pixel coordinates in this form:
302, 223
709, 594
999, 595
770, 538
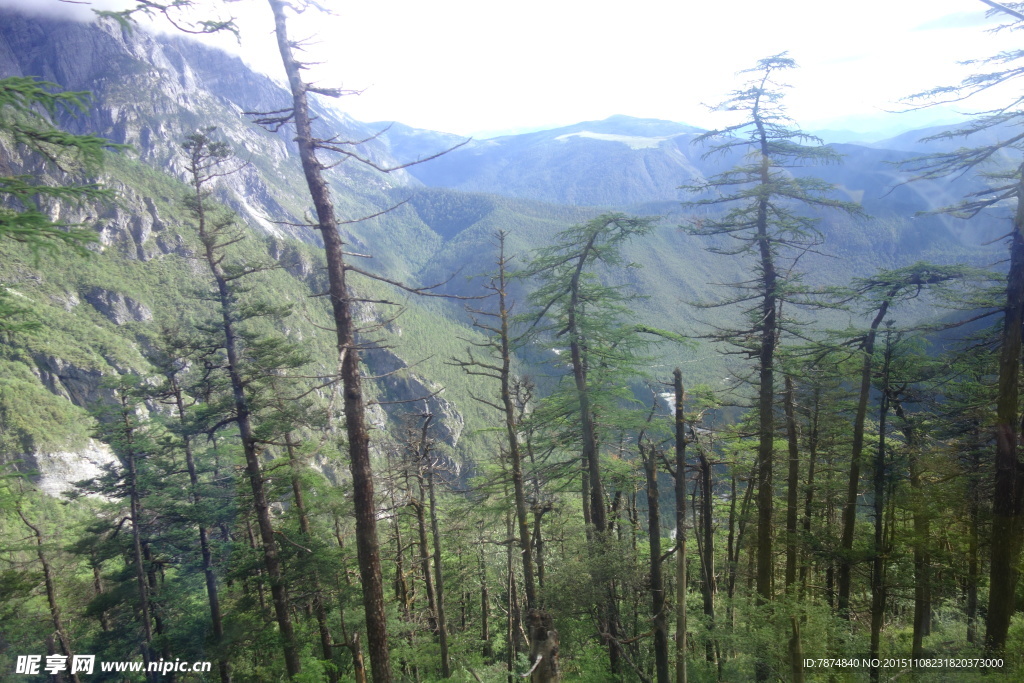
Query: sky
476, 67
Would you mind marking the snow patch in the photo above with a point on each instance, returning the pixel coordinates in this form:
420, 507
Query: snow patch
631, 141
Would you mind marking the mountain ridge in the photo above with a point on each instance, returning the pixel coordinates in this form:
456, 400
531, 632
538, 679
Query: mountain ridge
152, 91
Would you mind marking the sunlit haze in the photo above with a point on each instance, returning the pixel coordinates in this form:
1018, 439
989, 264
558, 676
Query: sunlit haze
469, 67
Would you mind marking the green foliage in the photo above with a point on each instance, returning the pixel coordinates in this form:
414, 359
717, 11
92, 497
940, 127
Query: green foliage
23, 215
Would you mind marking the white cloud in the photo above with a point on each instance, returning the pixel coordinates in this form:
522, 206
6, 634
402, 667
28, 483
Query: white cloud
464, 66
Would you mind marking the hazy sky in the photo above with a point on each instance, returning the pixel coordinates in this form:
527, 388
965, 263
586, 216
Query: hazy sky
472, 66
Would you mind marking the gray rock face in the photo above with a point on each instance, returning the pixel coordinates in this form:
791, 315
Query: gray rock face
58, 471
150, 92
153, 91
78, 385
118, 308
407, 392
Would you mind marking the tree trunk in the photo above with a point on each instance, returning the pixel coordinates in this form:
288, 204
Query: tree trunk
428, 579
792, 484
485, 605
796, 653
212, 592
51, 593
367, 546
922, 533
680, 434
442, 624
708, 556
319, 608
1008, 501
135, 516
812, 456
768, 329
228, 313
878, 565
544, 648
973, 520
512, 432
853, 484
659, 616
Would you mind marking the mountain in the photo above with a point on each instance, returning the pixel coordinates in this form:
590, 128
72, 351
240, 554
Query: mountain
615, 162
99, 315
627, 162
436, 219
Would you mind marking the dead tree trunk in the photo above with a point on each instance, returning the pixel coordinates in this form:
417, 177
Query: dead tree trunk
367, 546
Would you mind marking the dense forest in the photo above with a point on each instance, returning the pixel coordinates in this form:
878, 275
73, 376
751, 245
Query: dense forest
279, 403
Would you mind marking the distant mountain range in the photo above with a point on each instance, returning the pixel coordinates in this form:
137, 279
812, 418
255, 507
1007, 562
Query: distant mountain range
152, 91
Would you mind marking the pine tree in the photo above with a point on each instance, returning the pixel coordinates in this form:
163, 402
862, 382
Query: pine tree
247, 361
764, 220
1006, 190
27, 106
605, 355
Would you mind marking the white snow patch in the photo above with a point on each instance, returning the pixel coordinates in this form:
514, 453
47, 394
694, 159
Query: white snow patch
632, 141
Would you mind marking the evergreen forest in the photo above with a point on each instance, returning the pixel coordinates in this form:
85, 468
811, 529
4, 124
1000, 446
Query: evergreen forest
286, 396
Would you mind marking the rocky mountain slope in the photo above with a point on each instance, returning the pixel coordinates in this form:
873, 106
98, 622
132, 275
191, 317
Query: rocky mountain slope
99, 315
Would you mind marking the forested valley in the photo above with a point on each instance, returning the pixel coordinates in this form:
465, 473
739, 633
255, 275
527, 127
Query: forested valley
285, 396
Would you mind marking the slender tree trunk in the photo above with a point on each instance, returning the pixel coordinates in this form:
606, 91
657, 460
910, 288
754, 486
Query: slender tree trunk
792, 484
708, 555
159, 627
97, 584
680, 434
853, 486
319, 608
428, 579
768, 329
512, 633
135, 516
512, 431
878, 565
659, 616
737, 546
367, 546
973, 573
226, 300
922, 534
51, 593
485, 604
212, 592
538, 541
812, 457
442, 624
769, 337
260, 594
796, 652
